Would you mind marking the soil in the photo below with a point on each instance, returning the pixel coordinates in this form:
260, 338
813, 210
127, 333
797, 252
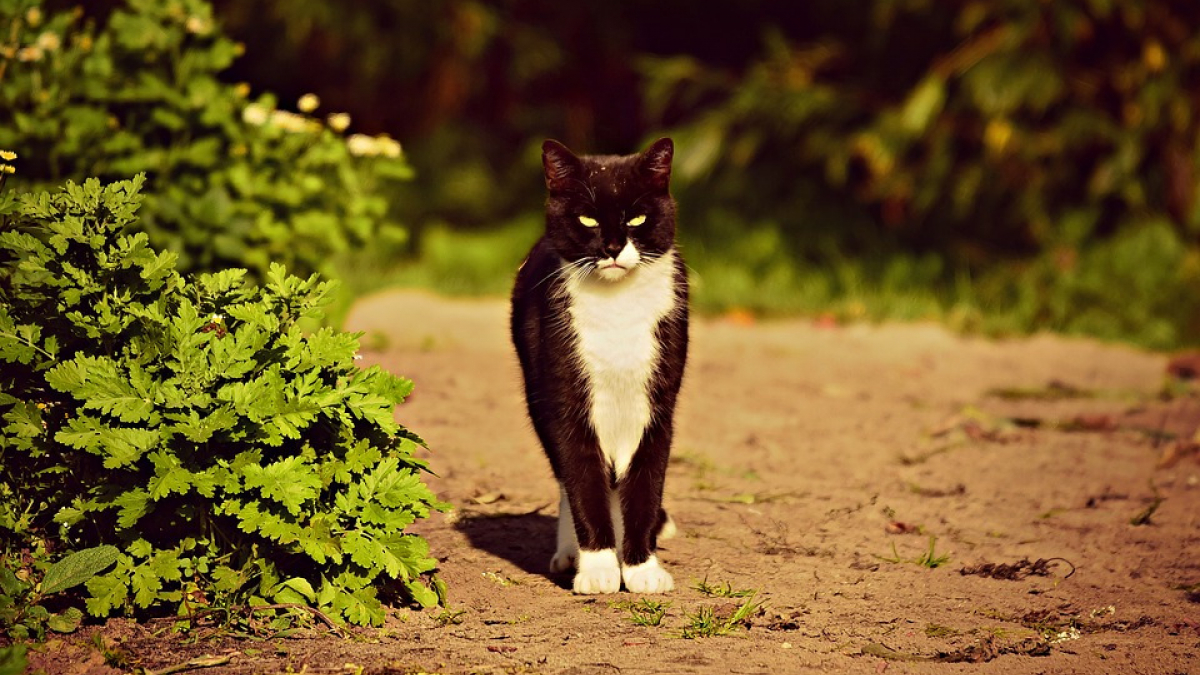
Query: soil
815, 464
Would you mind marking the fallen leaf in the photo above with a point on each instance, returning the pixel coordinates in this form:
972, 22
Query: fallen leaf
1185, 366
488, 498
826, 321
898, 527
1184, 626
1097, 422
740, 317
1174, 452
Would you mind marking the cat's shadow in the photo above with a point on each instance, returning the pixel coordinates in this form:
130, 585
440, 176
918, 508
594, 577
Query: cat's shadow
525, 540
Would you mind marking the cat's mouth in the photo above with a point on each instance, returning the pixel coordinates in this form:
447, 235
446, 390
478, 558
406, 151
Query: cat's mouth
611, 270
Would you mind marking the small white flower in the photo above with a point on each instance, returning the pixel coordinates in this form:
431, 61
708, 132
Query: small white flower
358, 357
339, 122
362, 145
291, 122
216, 318
49, 41
254, 114
197, 26
308, 103
388, 147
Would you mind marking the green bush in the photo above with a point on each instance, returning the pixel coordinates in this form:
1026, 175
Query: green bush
977, 161
233, 183
187, 420
1045, 152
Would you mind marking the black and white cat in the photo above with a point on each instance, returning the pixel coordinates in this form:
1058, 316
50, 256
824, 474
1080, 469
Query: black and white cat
600, 323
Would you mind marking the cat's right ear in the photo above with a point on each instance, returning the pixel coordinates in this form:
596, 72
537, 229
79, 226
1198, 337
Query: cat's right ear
561, 166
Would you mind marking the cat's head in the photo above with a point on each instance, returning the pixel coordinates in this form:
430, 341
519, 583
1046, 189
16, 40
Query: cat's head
608, 214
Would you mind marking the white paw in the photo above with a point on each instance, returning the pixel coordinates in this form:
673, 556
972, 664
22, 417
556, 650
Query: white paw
648, 577
563, 560
598, 572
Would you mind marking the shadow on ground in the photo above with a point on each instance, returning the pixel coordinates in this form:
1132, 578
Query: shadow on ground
526, 541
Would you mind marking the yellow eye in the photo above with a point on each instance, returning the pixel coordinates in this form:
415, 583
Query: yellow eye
634, 222
590, 222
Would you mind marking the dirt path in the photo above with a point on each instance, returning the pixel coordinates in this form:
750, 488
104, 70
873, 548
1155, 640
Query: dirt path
804, 454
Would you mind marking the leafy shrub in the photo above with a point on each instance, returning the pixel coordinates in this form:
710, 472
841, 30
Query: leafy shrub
233, 183
1034, 148
189, 421
23, 589
978, 161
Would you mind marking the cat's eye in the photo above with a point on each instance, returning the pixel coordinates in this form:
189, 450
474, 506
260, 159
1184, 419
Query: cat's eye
589, 222
635, 221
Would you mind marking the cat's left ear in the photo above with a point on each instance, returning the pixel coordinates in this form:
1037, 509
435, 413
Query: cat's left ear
656, 163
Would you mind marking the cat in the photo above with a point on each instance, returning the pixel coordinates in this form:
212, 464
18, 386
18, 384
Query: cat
600, 325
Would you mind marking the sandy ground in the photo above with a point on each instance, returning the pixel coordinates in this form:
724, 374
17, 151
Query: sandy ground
814, 464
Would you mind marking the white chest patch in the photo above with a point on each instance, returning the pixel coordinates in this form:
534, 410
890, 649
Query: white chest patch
616, 323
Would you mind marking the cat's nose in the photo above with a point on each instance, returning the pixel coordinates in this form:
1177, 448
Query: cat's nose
612, 248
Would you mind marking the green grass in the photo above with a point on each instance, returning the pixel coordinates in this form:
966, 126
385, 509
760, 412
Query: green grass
929, 559
935, 630
753, 271
722, 591
450, 618
644, 612
705, 622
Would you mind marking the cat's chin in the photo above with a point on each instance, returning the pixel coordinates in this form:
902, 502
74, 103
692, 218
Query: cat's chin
612, 272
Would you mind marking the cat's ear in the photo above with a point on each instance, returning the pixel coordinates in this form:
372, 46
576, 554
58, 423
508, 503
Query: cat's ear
656, 163
561, 166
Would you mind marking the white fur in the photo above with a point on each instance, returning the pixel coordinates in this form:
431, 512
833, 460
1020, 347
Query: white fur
668, 528
567, 552
648, 577
615, 269
615, 320
598, 572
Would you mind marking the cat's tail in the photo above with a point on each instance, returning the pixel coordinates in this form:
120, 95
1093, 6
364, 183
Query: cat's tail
666, 525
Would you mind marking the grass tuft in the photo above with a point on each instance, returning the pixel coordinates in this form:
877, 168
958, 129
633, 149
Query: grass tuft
722, 591
644, 612
707, 623
929, 559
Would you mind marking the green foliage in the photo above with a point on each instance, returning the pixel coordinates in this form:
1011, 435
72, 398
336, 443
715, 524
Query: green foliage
644, 612
707, 622
1032, 161
725, 590
929, 559
234, 183
232, 458
22, 614
12, 659
1004, 166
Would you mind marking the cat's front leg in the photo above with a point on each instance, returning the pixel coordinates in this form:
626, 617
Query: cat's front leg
640, 493
586, 485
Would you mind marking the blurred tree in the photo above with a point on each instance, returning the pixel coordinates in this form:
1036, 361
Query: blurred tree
1000, 140
989, 150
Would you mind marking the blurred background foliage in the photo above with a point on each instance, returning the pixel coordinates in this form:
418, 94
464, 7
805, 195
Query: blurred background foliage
111, 91
1003, 165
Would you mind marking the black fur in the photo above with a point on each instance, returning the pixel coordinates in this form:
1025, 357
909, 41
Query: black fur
611, 189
